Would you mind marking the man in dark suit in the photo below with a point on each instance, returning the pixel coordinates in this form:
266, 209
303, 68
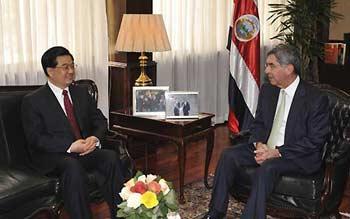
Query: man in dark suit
287, 136
64, 129
186, 108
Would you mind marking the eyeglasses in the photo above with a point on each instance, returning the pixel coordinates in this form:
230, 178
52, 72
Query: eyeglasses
67, 67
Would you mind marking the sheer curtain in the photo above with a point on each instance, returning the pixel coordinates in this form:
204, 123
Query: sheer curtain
29, 27
199, 60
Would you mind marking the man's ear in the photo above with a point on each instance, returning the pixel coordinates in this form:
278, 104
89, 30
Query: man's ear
290, 69
50, 71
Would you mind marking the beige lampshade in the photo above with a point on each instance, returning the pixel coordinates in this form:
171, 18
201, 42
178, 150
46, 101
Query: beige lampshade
142, 33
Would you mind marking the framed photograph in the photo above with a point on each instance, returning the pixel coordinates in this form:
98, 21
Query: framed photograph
181, 104
149, 101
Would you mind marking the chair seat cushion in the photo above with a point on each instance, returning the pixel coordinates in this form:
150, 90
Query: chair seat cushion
18, 186
301, 186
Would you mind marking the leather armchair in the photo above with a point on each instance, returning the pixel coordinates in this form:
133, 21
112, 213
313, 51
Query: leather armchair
23, 192
320, 194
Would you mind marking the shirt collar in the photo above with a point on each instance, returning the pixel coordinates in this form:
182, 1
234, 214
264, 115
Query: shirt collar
290, 90
56, 90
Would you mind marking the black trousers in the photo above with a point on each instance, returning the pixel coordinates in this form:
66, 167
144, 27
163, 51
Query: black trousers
72, 171
263, 181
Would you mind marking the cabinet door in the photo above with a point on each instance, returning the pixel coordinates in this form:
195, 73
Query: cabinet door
121, 80
336, 75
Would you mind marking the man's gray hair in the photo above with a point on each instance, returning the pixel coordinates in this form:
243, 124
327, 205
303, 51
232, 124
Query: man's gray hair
286, 54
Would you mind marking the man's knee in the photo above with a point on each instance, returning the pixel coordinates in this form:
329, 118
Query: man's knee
73, 171
228, 154
268, 168
110, 157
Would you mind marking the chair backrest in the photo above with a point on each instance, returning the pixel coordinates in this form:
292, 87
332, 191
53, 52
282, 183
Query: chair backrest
13, 146
90, 85
338, 144
337, 147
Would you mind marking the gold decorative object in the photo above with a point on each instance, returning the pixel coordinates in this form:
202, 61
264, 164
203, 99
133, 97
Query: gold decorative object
142, 33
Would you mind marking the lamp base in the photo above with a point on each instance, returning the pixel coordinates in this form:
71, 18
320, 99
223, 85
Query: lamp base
143, 80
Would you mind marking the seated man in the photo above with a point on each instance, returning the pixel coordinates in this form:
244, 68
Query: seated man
287, 136
64, 129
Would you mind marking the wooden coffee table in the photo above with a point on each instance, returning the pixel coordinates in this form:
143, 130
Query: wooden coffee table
180, 132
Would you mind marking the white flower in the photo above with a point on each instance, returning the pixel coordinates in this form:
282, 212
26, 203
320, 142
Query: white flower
142, 178
130, 183
173, 215
125, 193
164, 186
150, 178
134, 200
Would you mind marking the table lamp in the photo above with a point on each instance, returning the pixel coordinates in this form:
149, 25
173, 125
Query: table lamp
142, 33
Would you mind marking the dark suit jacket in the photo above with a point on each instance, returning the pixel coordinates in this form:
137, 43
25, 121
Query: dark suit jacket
47, 128
307, 125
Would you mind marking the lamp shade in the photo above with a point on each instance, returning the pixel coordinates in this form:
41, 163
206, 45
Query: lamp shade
142, 33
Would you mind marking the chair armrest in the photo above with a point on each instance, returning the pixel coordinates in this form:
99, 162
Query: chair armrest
327, 182
335, 175
119, 143
116, 135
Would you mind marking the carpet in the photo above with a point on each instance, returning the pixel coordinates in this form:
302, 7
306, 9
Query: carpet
197, 200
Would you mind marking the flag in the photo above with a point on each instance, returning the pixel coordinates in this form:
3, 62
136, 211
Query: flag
244, 81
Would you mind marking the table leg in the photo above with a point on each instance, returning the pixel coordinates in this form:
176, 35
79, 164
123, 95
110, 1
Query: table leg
210, 146
146, 170
181, 151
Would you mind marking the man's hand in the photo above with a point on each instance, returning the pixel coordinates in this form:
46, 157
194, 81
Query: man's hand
90, 145
263, 152
84, 146
78, 146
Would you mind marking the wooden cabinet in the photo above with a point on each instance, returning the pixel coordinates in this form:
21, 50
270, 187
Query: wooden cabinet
122, 77
336, 75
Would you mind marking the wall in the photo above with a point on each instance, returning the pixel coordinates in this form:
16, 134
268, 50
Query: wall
337, 30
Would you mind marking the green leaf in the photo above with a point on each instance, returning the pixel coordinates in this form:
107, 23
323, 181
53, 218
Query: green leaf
138, 174
171, 201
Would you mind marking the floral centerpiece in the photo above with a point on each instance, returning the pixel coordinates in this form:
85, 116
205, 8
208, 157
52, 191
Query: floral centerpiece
148, 196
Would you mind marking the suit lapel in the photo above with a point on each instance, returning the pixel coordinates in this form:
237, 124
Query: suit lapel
272, 107
295, 108
56, 107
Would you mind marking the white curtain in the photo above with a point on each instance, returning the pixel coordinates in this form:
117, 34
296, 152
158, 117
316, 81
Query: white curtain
29, 27
199, 60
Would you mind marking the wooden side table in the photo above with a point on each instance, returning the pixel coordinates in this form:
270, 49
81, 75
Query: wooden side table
179, 132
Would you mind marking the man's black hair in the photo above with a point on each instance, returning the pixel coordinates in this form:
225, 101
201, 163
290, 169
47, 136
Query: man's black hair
48, 60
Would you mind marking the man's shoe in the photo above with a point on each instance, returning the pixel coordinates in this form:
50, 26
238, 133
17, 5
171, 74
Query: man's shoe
214, 215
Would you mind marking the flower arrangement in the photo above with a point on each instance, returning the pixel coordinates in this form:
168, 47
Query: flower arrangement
148, 196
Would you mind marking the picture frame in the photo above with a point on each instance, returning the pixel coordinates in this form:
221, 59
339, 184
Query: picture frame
181, 104
149, 101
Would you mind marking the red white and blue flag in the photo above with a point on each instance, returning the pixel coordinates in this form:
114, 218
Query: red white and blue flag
244, 82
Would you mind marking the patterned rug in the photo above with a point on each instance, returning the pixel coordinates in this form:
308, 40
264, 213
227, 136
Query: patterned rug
197, 199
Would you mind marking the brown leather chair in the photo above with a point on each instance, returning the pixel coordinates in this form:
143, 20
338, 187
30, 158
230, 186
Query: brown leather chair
320, 194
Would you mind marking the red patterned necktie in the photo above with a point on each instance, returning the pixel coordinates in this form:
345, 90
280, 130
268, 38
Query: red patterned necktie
70, 114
